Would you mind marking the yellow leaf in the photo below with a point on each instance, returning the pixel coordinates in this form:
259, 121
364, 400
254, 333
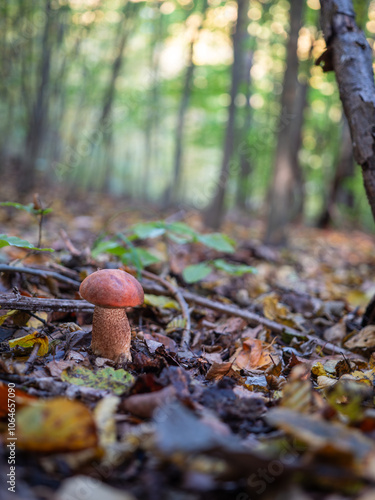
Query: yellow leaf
318, 369
357, 298
160, 301
36, 323
6, 316
277, 312
28, 341
56, 425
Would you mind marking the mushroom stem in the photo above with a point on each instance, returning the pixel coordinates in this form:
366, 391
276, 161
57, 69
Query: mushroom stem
111, 333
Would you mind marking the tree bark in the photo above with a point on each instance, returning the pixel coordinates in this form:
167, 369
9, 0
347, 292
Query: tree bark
243, 181
349, 55
215, 211
283, 195
344, 170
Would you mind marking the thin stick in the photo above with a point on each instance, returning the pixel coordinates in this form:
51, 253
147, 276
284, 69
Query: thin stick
39, 272
178, 295
34, 354
20, 303
254, 320
33, 304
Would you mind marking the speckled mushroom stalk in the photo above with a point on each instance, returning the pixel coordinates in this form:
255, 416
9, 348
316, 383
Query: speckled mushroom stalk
116, 322
111, 290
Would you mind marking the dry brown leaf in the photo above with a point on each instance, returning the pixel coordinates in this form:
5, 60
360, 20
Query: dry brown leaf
255, 354
218, 371
364, 339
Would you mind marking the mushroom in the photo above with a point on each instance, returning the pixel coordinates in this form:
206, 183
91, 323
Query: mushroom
111, 290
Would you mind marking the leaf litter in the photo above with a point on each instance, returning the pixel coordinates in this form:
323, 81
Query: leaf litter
241, 411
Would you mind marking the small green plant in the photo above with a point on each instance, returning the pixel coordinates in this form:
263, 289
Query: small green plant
38, 211
122, 246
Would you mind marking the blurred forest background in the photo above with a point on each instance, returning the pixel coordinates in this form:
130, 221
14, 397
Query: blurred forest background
204, 105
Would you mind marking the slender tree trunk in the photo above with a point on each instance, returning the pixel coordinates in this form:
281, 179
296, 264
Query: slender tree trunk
280, 199
214, 213
151, 138
39, 112
243, 182
343, 171
349, 55
173, 191
104, 124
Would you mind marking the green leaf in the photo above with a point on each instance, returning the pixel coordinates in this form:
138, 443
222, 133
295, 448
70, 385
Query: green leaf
109, 246
149, 229
196, 272
178, 239
217, 241
180, 228
233, 269
117, 381
13, 241
28, 208
145, 257
131, 255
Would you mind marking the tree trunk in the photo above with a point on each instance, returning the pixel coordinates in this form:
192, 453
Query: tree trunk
102, 135
343, 171
287, 171
349, 55
172, 193
39, 112
214, 213
243, 181
152, 124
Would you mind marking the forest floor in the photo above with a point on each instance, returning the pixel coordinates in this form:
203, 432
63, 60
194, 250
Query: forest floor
268, 395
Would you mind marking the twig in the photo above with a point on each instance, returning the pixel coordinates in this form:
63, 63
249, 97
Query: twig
8, 301
35, 304
69, 245
254, 320
178, 295
39, 272
34, 354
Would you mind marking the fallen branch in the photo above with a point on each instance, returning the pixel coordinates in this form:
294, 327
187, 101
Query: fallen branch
254, 320
35, 304
21, 303
39, 272
179, 296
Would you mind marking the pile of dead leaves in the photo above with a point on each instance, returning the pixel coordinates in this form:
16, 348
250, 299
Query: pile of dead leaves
279, 409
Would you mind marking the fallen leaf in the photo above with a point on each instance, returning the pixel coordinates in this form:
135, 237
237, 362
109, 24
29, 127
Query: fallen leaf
56, 425
218, 371
104, 419
363, 340
160, 301
144, 405
28, 342
116, 381
6, 316
274, 311
255, 354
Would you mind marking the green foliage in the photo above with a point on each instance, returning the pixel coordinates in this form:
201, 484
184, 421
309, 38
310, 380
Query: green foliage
27, 208
196, 272
123, 246
6, 240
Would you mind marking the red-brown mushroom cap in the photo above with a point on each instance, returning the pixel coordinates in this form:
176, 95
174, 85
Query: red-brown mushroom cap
112, 288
